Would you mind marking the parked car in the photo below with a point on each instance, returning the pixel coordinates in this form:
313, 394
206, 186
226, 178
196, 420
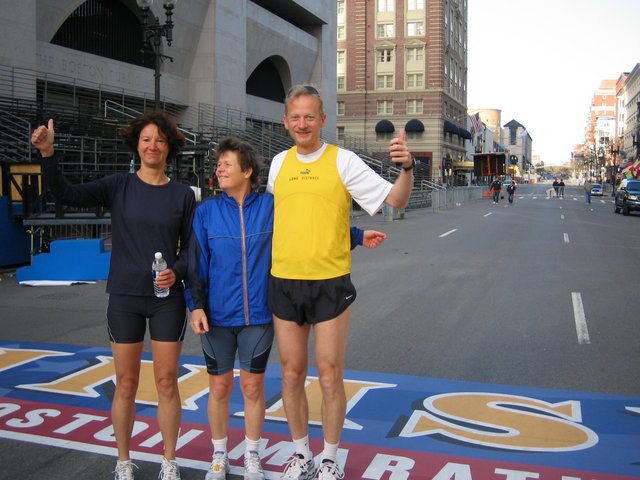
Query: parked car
627, 196
596, 189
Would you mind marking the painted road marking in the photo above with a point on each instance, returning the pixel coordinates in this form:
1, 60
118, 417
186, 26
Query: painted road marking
566, 237
580, 319
398, 426
487, 214
448, 233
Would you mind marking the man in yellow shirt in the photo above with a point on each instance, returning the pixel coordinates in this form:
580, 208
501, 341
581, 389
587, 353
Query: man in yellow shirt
310, 285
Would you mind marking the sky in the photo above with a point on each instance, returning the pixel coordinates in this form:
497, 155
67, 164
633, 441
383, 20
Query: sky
541, 61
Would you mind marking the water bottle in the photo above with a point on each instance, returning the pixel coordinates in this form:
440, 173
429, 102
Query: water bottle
159, 264
132, 166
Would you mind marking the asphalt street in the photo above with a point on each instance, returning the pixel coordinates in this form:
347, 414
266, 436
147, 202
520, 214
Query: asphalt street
540, 293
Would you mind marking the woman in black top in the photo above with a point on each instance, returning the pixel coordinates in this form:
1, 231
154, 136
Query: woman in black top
149, 213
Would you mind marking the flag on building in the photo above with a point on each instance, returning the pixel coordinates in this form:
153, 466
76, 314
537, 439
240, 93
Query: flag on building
476, 123
626, 167
524, 132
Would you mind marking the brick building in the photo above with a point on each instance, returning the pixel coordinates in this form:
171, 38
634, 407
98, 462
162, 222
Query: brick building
403, 64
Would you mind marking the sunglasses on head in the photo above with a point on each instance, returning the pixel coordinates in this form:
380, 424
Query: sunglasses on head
311, 90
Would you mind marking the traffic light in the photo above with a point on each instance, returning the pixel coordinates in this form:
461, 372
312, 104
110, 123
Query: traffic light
513, 159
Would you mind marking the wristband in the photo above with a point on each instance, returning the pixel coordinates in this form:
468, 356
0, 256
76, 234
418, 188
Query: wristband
410, 167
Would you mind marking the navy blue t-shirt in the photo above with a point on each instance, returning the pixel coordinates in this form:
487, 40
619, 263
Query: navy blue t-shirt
144, 219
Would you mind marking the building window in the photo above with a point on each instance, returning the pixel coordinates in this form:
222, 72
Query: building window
340, 57
414, 80
385, 55
340, 132
415, 54
340, 31
384, 82
415, 4
385, 107
385, 30
340, 83
340, 108
415, 29
386, 5
414, 106
340, 7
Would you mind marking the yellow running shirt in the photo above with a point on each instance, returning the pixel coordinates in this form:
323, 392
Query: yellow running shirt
311, 221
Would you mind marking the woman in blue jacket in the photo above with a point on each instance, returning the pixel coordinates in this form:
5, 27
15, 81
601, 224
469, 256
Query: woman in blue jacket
227, 295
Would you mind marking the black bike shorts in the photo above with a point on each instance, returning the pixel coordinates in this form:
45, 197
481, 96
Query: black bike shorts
252, 342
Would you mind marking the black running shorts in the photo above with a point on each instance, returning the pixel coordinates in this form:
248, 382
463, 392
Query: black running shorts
127, 318
310, 301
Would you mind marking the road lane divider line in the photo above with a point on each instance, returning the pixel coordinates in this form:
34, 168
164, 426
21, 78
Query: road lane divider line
487, 214
448, 233
566, 237
580, 319
561, 217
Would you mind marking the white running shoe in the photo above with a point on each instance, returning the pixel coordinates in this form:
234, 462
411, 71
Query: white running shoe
219, 467
124, 470
169, 470
253, 467
329, 470
297, 468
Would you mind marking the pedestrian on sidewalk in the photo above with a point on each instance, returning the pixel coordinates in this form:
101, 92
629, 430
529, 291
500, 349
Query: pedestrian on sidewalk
495, 188
587, 190
511, 190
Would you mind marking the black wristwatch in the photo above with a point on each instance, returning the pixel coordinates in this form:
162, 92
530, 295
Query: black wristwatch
412, 166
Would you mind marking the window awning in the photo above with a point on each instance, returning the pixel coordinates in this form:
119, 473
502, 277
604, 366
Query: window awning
465, 133
414, 125
385, 126
451, 127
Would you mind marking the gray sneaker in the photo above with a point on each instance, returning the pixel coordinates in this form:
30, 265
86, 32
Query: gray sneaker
253, 467
329, 470
169, 470
219, 467
124, 470
297, 468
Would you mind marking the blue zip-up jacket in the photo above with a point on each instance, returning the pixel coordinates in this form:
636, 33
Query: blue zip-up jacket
230, 259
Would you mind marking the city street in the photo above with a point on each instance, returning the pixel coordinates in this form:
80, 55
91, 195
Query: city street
484, 293
541, 294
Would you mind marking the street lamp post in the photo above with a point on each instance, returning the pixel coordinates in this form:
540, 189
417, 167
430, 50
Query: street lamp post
154, 32
615, 151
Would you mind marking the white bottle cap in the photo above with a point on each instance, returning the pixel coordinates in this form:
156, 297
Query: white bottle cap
158, 254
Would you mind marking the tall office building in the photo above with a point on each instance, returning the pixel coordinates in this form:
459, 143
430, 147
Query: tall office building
403, 64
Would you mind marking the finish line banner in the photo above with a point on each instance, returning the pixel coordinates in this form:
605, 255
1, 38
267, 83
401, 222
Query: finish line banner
397, 427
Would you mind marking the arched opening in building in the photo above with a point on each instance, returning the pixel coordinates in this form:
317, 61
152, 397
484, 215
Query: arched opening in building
106, 28
268, 79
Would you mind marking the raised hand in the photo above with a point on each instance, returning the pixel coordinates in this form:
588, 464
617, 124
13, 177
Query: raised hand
399, 151
43, 137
